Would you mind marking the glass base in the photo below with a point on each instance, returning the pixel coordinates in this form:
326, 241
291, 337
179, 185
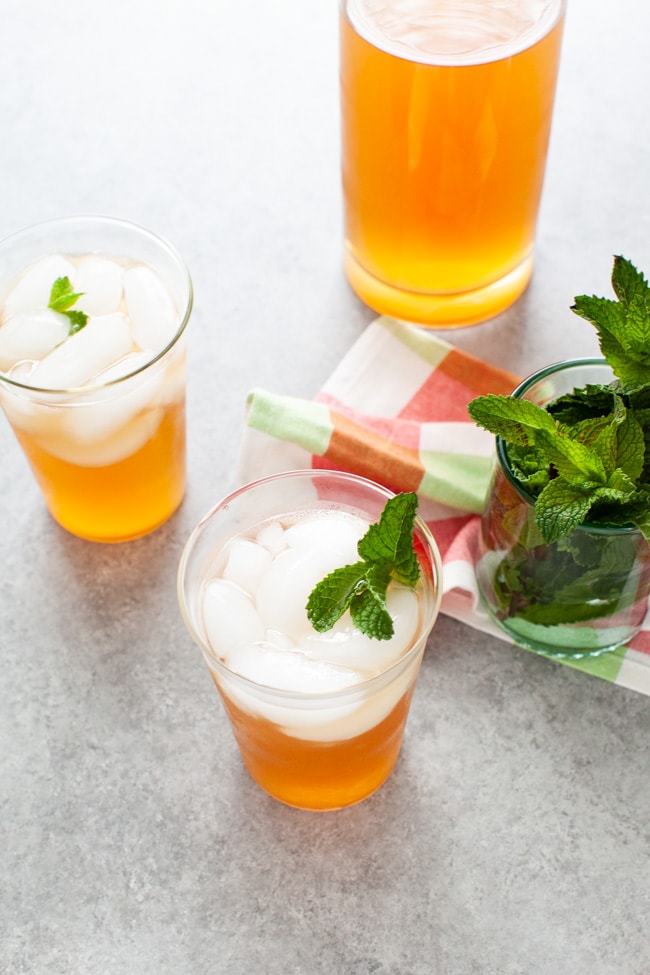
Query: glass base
565, 642
323, 806
438, 310
115, 536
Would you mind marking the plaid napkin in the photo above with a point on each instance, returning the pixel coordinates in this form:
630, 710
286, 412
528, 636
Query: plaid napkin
395, 411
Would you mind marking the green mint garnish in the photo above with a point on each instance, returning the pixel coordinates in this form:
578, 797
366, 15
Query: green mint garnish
583, 457
623, 325
387, 553
62, 298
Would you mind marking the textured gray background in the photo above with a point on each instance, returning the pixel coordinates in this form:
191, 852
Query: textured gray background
512, 838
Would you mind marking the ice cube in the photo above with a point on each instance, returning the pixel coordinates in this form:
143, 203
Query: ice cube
100, 280
124, 442
283, 591
20, 408
307, 717
279, 640
347, 646
288, 670
173, 390
101, 342
22, 370
33, 289
335, 532
247, 563
230, 617
271, 536
31, 335
154, 318
100, 414
123, 367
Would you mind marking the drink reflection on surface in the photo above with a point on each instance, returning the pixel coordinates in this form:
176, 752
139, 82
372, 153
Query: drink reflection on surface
446, 115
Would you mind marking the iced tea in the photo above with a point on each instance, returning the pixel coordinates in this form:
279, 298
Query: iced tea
98, 407
318, 717
446, 116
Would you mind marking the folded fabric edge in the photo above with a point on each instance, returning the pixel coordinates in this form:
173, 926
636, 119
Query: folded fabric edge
302, 422
456, 480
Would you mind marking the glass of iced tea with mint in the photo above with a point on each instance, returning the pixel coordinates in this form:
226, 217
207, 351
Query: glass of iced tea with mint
93, 313
313, 613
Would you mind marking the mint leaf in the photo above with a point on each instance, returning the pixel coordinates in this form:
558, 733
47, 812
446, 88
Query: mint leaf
329, 600
388, 554
630, 446
561, 507
77, 320
572, 459
517, 421
378, 576
637, 324
390, 541
628, 283
623, 326
369, 614
62, 298
589, 403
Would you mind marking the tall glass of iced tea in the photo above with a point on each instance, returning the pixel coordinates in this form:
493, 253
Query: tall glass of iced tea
318, 717
93, 313
446, 114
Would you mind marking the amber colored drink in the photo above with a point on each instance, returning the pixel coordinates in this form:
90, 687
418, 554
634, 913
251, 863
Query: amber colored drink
446, 116
119, 501
318, 775
319, 717
97, 402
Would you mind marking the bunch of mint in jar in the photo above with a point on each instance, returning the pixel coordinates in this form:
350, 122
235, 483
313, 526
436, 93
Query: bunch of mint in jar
583, 461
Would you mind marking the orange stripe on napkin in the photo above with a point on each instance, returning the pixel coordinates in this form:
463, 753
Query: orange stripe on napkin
476, 376
355, 448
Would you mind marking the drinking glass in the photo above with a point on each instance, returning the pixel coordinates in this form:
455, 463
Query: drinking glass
311, 748
108, 453
446, 114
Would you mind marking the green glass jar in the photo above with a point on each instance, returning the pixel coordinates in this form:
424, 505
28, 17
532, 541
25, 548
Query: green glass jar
583, 595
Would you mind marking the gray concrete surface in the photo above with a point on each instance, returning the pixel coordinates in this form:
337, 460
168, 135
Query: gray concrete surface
512, 838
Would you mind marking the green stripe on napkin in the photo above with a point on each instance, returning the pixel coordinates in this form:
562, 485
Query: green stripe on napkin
302, 422
458, 480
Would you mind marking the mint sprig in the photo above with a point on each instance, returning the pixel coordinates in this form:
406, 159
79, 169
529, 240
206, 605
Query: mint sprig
623, 325
387, 553
62, 298
586, 457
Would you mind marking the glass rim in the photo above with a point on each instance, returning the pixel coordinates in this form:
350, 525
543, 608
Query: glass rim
549, 21
116, 222
429, 615
502, 449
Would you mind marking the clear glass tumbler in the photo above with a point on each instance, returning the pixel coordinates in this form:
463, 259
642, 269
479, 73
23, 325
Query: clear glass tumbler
99, 414
446, 116
309, 747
